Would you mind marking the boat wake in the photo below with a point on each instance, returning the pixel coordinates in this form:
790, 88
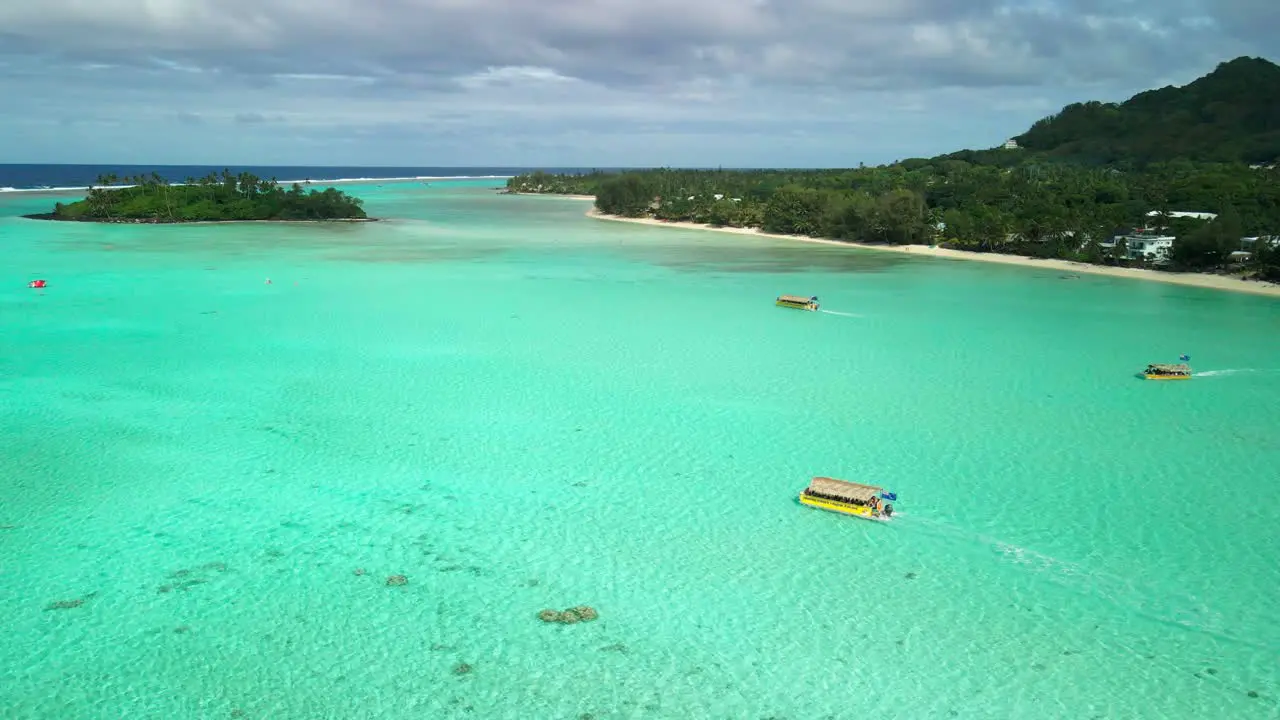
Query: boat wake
841, 314
1160, 604
1225, 373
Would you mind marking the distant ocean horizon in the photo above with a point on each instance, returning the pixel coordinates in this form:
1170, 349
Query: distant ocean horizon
48, 177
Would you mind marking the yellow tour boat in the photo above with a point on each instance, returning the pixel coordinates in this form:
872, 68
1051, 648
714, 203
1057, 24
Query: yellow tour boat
797, 302
850, 498
1157, 371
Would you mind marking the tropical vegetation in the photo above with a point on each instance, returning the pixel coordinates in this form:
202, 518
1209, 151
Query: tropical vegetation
1075, 186
213, 198
1229, 115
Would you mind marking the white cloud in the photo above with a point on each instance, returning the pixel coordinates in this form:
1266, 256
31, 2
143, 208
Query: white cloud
325, 78
523, 76
513, 75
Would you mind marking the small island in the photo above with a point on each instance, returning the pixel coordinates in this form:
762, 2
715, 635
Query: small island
214, 198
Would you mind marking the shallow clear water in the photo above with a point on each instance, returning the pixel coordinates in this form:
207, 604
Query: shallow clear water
518, 407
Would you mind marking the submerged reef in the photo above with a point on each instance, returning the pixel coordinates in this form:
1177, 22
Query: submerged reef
570, 616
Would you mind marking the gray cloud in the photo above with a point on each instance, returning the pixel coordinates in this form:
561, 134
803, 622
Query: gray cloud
1255, 21
652, 43
620, 64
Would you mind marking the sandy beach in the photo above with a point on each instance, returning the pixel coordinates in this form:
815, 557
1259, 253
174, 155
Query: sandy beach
592, 198
1200, 280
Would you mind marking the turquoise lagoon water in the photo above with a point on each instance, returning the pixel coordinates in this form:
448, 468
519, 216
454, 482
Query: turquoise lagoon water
518, 407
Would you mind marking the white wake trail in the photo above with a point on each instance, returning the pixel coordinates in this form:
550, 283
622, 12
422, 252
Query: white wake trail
1234, 371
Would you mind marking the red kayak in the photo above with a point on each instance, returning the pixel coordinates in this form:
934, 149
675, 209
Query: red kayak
37, 284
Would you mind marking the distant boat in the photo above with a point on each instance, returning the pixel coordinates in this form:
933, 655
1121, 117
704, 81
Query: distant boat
797, 302
1160, 371
849, 498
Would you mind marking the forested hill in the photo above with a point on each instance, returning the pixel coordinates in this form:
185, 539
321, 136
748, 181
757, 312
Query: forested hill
1230, 115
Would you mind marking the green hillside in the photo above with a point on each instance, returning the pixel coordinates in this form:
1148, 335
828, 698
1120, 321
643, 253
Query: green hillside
1230, 115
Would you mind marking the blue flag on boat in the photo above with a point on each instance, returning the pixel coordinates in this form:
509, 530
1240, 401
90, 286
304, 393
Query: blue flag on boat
889, 496
1185, 358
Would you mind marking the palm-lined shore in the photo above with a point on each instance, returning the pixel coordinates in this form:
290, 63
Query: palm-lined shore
1206, 281
1151, 188
1198, 280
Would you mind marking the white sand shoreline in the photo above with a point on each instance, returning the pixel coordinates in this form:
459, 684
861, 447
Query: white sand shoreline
592, 198
1198, 280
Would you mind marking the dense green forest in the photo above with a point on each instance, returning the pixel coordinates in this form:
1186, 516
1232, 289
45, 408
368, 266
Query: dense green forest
1024, 201
1230, 115
208, 199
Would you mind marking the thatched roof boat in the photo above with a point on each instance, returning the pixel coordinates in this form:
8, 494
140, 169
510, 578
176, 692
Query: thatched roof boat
795, 301
850, 498
1164, 371
845, 490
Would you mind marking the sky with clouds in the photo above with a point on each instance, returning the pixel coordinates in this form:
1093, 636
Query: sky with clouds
600, 83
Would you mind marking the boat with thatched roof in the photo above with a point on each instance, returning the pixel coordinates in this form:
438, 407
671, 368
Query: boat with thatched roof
797, 302
1160, 371
850, 498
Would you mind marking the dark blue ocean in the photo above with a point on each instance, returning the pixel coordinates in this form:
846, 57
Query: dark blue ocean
36, 177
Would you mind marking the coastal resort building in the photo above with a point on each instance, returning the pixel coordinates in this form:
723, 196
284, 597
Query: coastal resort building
1150, 244
1143, 245
1010, 144
1248, 245
1271, 241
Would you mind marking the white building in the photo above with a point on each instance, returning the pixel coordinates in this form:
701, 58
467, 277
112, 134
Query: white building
1249, 244
1010, 144
1143, 246
1182, 214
